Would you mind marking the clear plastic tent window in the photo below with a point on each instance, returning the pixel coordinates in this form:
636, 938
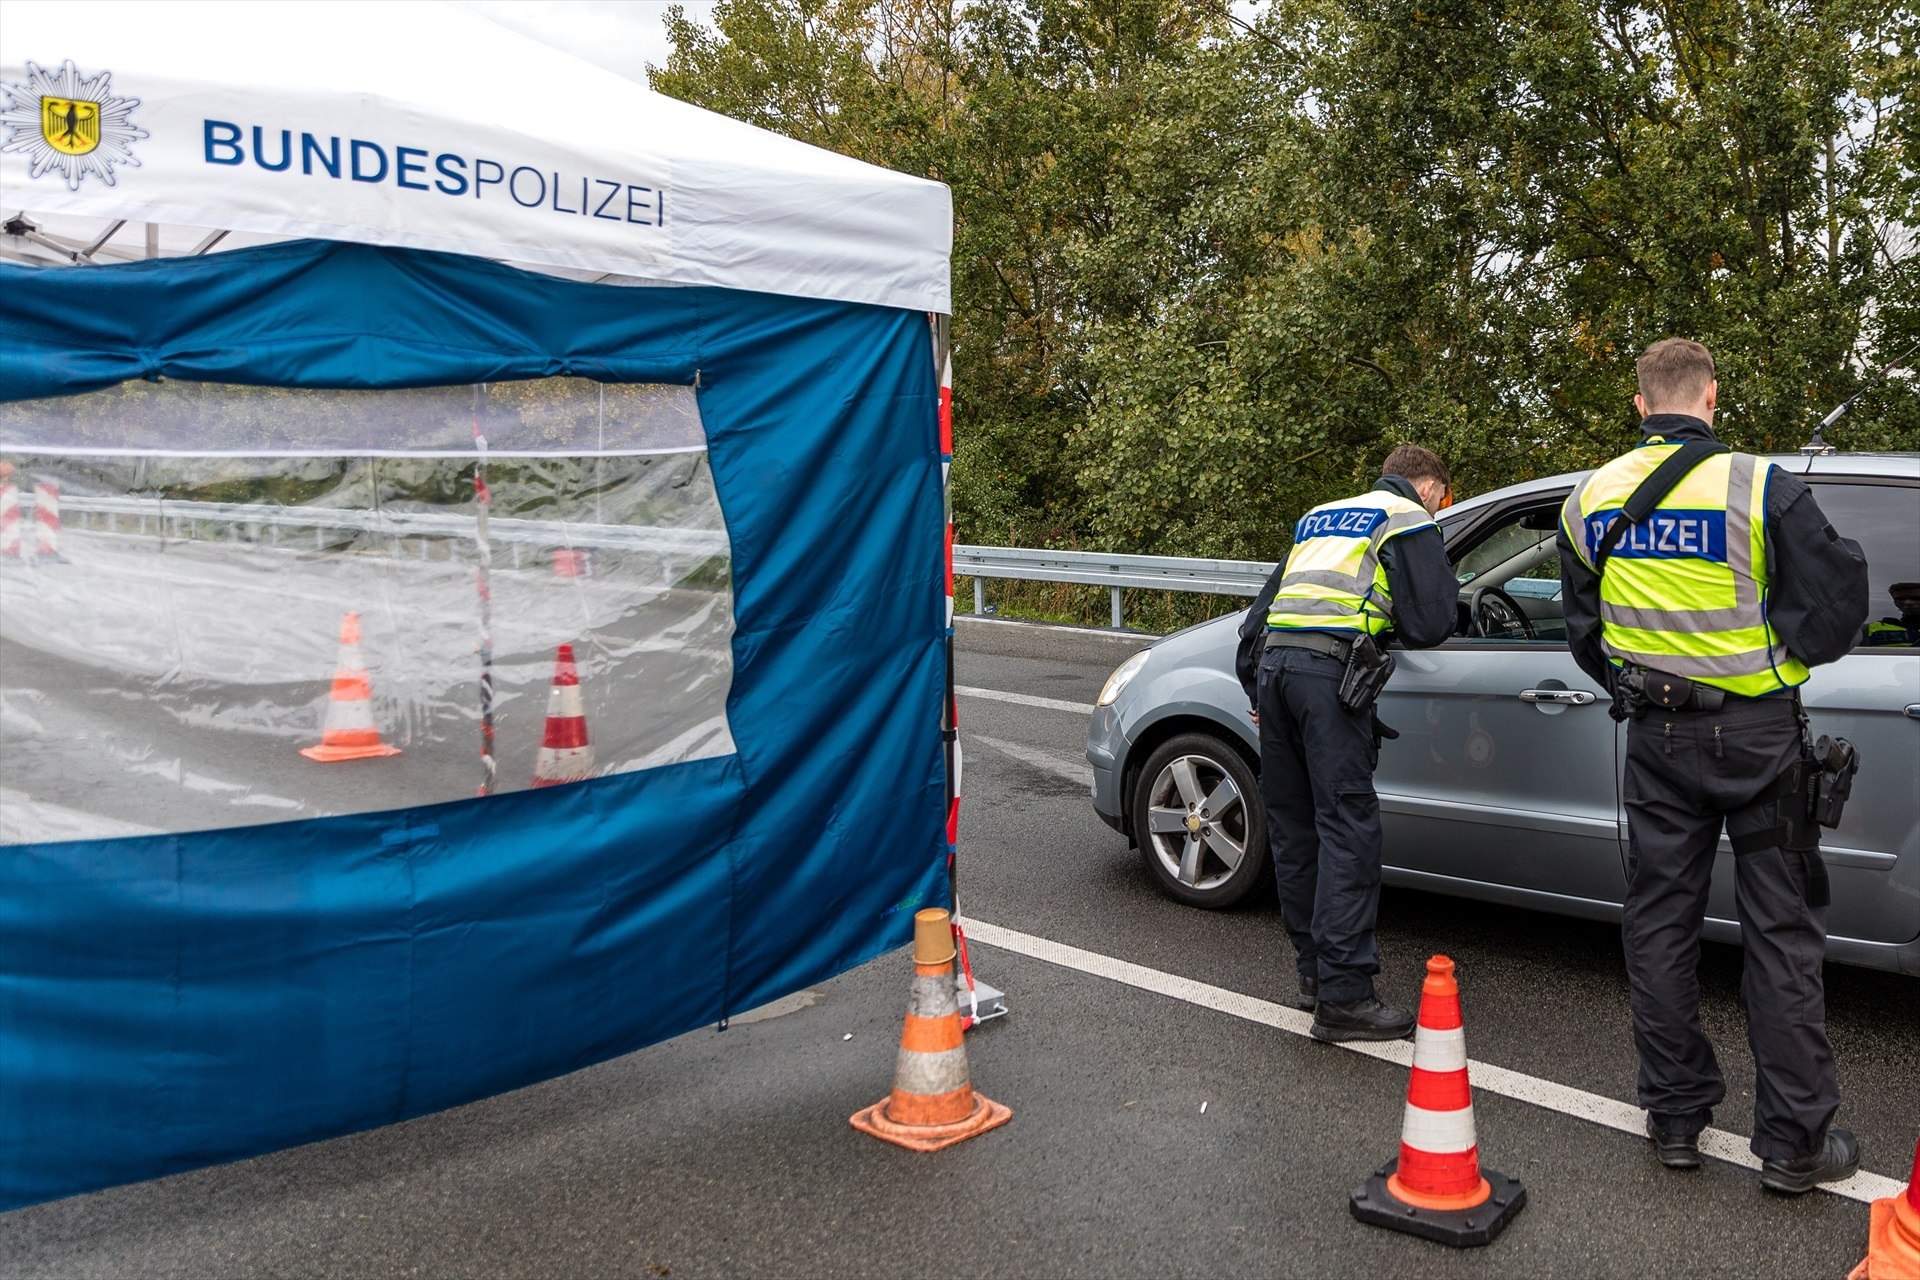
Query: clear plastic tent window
184, 566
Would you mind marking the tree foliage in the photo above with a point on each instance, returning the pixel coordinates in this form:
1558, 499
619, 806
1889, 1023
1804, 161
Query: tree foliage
1207, 272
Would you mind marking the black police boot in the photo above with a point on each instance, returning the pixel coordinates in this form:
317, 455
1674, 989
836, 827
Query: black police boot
1309, 996
1834, 1162
1677, 1147
1366, 1019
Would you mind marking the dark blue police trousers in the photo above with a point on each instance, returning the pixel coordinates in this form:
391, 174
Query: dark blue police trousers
1323, 819
1688, 774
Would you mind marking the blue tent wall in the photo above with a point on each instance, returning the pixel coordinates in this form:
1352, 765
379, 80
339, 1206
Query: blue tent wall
173, 1001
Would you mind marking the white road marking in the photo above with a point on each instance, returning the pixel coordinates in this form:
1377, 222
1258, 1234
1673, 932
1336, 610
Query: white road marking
1139, 639
1073, 770
1578, 1103
24, 820
1025, 700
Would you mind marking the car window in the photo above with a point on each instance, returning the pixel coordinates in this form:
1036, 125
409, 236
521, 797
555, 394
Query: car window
1885, 520
1501, 545
1516, 553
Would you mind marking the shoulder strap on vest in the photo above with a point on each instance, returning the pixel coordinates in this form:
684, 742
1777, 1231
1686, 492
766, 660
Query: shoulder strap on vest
1641, 502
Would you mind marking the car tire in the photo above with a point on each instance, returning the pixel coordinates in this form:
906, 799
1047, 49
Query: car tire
1210, 848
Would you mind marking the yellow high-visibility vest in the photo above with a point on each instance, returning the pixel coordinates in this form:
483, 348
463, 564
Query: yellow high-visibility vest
1334, 579
1685, 591
1888, 631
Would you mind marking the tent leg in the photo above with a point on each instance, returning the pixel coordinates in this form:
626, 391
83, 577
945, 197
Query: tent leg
993, 1001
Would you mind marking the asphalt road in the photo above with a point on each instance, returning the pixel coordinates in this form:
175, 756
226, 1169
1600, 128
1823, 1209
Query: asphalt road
1151, 1136
169, 685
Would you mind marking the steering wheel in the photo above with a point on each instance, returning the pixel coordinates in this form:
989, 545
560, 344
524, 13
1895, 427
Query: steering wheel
1498, 616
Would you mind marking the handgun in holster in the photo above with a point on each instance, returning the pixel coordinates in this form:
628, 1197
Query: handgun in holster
1837, 762
1812, 794
1368, 666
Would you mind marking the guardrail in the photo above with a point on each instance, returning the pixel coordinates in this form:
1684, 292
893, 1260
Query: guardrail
1107, 569
266, 523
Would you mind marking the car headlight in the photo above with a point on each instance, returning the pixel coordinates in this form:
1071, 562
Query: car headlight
1122, 677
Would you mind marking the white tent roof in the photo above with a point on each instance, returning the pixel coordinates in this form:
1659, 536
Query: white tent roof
424, 125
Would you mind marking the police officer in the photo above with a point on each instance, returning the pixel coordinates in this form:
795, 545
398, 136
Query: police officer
1359, 567
1702, 621
1905, 629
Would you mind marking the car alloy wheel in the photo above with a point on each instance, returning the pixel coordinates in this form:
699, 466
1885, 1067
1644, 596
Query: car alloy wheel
1198, 818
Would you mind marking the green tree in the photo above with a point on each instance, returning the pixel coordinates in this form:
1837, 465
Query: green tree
1021, 106
1207, 273
1457, 223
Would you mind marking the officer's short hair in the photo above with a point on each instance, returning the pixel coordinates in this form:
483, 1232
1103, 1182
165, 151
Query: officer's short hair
1411, 462
1674, 372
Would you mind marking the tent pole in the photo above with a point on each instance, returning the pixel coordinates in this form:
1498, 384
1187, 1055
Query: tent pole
483, 585
949, 707
979, 1001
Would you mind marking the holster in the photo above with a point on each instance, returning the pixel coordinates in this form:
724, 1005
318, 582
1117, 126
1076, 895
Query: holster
1836, 761
1811, 794
1368, 666
1797, 832
1826, 781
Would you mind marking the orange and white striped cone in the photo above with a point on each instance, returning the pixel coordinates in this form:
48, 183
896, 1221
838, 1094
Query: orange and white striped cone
1436, 1188
1893, 1234
349, 732
46, 522
933, 1104
565, 753
10, 548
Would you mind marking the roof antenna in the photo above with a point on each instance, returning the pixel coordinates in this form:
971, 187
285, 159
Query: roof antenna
1818, 445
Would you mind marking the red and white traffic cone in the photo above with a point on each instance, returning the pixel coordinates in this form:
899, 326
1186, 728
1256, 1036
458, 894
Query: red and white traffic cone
46, 522
10, 548
349, 732
1436, 1188
565, 753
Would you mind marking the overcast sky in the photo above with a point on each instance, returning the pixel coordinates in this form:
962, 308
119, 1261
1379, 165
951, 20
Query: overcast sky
620, 35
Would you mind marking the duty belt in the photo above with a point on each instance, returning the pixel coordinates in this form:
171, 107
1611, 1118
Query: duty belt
1675, 693
1317, 641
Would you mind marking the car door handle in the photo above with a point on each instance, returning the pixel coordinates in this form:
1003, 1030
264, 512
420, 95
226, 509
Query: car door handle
1564, 697
1913, 710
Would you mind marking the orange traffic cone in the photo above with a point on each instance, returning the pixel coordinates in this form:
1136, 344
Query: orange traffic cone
1436, 1188
349, 732
933, 1104
565, 754
1893, 1234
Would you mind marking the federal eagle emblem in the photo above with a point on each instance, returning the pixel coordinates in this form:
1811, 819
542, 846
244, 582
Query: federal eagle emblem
66, 121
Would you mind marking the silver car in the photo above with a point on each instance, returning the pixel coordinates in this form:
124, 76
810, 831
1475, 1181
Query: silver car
1505, 781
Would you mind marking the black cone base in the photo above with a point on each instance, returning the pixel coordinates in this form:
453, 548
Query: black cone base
1374, 1205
